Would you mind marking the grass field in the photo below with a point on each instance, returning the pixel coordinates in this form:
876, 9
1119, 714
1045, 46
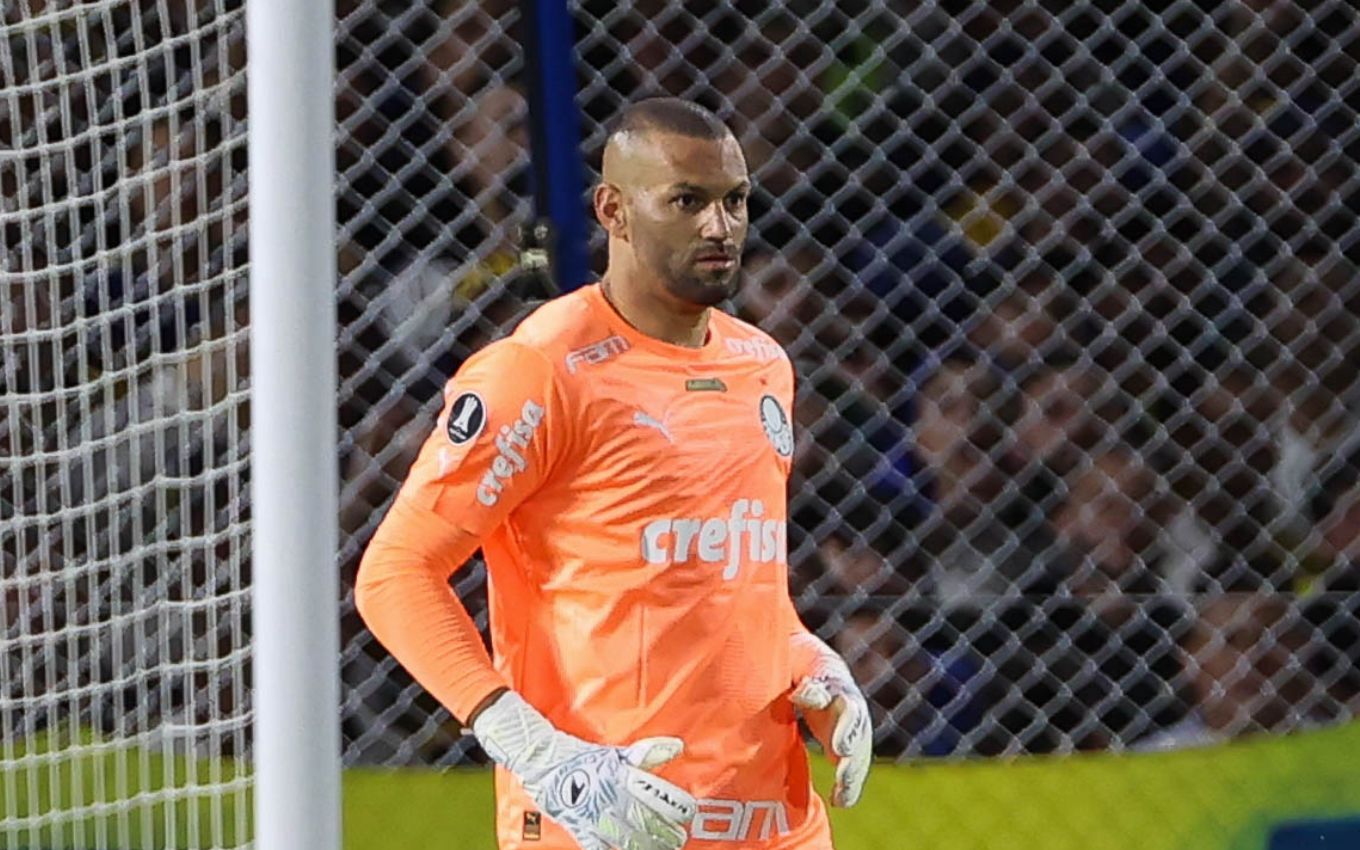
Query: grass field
1226, 798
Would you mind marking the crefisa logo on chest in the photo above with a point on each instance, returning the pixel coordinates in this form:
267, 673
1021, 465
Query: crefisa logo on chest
775, 421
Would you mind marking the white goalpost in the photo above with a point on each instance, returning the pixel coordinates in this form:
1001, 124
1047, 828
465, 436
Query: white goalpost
294, 478
168, 590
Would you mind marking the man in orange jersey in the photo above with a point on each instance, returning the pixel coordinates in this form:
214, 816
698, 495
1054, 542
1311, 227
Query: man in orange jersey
622, 461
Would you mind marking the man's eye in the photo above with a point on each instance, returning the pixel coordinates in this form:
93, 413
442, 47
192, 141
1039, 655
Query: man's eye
736, 200
686, 201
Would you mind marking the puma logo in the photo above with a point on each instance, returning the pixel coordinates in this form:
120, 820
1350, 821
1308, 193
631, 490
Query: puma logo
641, 418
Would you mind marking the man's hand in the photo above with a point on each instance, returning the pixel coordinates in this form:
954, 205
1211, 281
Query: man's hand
838, 715
604, 796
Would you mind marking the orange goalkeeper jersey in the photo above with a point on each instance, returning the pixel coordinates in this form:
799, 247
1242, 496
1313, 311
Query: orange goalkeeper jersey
630, 496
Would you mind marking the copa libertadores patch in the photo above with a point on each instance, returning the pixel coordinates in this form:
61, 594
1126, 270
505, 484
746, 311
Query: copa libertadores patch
776, 424
467, 418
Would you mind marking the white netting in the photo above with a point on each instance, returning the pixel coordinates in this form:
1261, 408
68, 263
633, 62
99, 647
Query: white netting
1072, 291
123, 524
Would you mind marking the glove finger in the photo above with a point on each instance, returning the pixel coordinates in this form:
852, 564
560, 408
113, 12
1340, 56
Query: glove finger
665, 834
596, 839
624, 830
644, 829
667, 799
812, 694
853, 729
851, 772
650, 753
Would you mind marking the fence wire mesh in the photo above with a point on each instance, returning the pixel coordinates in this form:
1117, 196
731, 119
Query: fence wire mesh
1071, 289
1072, 294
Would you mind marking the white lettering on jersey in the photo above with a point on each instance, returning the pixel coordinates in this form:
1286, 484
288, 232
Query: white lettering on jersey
718, 539
760, 349
733, 820
596, 352
509, 461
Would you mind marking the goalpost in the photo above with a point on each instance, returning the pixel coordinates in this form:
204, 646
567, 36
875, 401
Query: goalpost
294, 477
168, 665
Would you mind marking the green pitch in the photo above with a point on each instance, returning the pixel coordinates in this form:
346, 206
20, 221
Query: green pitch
1223, 798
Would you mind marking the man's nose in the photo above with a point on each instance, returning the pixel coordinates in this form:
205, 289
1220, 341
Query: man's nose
717, 223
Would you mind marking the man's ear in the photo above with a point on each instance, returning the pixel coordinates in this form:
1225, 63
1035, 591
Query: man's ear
610, 211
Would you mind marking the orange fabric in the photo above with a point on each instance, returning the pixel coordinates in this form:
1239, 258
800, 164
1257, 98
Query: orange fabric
630, 498
803, 654
403, 594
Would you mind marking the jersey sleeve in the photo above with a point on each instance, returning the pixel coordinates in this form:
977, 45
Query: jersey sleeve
497, 439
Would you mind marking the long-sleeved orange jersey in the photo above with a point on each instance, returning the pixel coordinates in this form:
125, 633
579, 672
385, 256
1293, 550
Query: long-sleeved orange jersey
630, 498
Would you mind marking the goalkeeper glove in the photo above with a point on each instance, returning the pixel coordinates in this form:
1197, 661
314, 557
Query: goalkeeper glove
838, 716
604, 796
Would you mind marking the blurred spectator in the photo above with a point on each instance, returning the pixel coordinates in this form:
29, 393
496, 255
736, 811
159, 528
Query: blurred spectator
1330, 579
954, 430
1111, 521
858, 556
777, 296
1087, 677
1027, 325
981, 541
1064, 411
1227, 452
878, 658
1244, 657
1335, 508
926, 700
1316, 323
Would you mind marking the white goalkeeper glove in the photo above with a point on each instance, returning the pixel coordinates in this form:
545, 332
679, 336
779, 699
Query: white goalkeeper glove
604, 796
838, 716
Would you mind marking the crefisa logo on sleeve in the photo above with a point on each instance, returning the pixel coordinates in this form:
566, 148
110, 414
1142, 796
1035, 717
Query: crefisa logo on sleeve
511, 443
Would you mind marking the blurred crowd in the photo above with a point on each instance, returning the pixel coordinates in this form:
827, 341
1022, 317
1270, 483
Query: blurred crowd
1075, 312
1072, 295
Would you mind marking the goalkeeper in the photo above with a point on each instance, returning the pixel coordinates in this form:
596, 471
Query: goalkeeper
622, 460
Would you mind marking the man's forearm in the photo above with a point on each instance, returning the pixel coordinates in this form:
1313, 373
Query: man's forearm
403, 595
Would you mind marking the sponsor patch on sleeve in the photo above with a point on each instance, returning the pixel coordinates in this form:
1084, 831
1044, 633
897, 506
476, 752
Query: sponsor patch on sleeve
467, 418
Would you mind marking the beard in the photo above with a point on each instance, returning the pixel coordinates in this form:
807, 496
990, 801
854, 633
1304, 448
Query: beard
704, 288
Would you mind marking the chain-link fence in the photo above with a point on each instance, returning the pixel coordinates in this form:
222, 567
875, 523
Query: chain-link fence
1073, 297
1071, 288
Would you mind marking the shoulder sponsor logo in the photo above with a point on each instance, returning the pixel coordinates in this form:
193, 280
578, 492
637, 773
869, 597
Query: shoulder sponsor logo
701, 385
511, 443
739, 820
717, 540
597, 352
760, 349
776, 424
467, 418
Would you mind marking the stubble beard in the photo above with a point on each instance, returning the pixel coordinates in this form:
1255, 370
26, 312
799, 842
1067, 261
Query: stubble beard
705, 290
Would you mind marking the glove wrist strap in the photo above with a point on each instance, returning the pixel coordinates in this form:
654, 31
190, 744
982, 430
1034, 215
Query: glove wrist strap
514, 734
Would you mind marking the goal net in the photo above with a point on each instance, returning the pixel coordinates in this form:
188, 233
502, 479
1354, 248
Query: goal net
123, 414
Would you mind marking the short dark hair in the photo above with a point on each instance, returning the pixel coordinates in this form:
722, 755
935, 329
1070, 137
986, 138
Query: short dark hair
669, 115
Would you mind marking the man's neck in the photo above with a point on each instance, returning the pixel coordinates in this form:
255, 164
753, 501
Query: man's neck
656, 316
